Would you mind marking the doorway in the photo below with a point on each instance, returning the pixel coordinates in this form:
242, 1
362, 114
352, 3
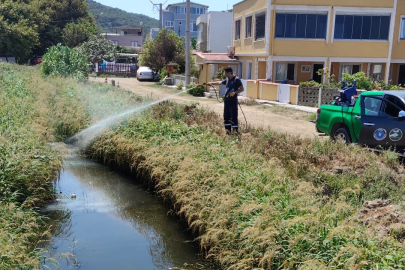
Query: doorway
315, 76
401, 76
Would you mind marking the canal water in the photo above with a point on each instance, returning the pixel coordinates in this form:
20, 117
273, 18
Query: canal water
114, 223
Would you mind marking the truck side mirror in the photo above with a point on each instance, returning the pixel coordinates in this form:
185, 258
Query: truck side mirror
401, 114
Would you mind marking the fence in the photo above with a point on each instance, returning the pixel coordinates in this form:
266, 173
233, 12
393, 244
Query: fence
315, 97
181, 79
127, 70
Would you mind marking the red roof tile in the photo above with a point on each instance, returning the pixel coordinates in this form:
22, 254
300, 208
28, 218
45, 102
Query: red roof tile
207, 57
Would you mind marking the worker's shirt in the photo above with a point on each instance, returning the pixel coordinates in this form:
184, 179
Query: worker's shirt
232, 85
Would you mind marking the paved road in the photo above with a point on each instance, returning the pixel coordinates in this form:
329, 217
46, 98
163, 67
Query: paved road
278, 119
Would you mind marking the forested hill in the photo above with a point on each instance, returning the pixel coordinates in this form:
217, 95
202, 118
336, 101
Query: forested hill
114, 17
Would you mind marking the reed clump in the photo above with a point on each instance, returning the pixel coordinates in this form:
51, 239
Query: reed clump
36, 112
265, 200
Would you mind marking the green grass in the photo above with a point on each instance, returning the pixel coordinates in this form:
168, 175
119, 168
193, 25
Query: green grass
35, 112
261, 201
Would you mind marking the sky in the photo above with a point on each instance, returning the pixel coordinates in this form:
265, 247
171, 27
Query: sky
145, 6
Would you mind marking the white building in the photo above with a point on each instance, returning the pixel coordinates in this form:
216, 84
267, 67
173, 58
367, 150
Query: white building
214, 32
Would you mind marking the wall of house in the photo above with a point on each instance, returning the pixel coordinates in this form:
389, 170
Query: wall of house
179, 20
253, 90
342, 3
220, 31
395, 73
398, 45
269, 91
262, 66
240, 11
126, 40
312, 48
294, 94
244, 60
303, 76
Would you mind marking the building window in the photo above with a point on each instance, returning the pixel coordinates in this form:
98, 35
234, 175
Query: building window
248, 25
377, 72
199, 32
237, 30
348, 69
114, 42
313, 26
181, 10
134, 44
193, 26
403, 28
362, 27
169, 24
285, 71
197, 11
260, 26
249, 71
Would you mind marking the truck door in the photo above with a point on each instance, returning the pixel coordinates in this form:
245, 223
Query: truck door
380, 124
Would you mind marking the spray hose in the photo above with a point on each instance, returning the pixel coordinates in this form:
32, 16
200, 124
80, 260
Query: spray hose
222, 100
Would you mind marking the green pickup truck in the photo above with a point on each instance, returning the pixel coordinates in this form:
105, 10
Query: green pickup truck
376, 119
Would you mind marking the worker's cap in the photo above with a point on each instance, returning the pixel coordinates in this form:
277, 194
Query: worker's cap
228, 70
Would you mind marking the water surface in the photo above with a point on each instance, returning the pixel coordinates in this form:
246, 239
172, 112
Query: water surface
115, 223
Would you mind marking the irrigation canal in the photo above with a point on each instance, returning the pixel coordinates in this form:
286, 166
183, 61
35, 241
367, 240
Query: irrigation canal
114, 223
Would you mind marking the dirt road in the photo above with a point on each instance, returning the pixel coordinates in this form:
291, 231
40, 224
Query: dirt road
277, 118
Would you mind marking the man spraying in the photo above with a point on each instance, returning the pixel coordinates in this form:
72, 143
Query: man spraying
233, 88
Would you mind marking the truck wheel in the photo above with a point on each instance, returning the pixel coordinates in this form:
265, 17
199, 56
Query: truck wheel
342, 135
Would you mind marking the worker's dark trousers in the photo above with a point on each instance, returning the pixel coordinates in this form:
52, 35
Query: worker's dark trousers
231, 114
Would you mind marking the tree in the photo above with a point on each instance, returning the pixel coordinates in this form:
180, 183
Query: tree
19, 24
31, 26
75, 34
193, 43
61, 13
166, 48
97, 49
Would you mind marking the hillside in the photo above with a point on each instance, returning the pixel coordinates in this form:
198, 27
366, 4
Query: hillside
114, 17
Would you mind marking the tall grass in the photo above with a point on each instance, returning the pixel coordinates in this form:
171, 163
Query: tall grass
63, 61
268, 201
34, 113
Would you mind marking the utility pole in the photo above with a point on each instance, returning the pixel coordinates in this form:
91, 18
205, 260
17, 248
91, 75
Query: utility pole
97, 20
160, 9
188, 42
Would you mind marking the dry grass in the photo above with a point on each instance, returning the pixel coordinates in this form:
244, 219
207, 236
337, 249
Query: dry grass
267, 201
263, 201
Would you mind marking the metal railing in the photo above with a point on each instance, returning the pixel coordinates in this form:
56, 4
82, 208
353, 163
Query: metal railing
127, 70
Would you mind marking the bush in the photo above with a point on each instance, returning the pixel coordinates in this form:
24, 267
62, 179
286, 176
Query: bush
64, 61
197, 91
363, 82
180, 87
220, 74
310, 84
163, 73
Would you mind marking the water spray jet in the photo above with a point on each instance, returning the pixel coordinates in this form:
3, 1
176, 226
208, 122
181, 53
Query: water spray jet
86, 136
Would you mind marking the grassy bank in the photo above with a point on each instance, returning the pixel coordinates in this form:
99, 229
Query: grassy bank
34, 113
267, 201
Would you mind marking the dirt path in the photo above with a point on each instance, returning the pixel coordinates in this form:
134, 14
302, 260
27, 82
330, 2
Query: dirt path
277, 118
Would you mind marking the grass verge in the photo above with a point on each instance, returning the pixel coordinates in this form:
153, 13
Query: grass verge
34, 113
268, 201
